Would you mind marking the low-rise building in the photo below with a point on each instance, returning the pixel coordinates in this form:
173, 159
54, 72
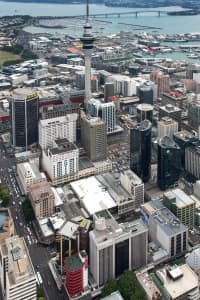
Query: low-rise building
28, 174
42, 199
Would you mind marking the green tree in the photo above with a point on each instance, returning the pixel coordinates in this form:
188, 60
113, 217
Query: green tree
130, 288
28, 210
4, 195
109, 288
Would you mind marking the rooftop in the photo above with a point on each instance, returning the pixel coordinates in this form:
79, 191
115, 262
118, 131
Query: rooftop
73, 263
184, 135
29, 170
182, 199
20, 265
170, 108
170, 224
58, 120
114, 296
39, 189
63, 145
182, 282
167, 142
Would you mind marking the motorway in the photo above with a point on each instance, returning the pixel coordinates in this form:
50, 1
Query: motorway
40, 254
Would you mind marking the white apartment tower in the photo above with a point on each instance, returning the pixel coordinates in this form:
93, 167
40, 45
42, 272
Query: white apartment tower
59, 127
18, 279
167, 127
61, 161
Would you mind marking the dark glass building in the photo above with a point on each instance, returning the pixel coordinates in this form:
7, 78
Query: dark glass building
140, 150
24, 118
145, 94
169, 163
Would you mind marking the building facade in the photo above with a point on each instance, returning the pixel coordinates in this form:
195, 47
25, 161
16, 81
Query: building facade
61, 161
167, 127
192, 160
42, 199
169, 163
59, 127
94, 138
140, 150
24, 118
115, 248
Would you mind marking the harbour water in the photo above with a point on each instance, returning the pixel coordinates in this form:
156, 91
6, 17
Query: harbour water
169, 24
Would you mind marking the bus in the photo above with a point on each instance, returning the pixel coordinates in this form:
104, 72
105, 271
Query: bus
39, 279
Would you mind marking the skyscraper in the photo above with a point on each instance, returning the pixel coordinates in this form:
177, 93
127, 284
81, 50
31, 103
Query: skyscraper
24, 118
169, 163
145, 94
140, 150
87, 39
94, 137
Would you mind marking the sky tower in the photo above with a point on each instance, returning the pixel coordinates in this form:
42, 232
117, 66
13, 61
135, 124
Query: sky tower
87, 39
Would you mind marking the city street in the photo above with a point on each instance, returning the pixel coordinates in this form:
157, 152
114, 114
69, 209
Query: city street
40, 254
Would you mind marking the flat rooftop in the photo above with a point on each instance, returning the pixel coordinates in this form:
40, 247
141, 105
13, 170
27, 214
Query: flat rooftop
21, 267
92, 194
164, 217
73, 263
29, 169
63, 145
180, 286
182, 199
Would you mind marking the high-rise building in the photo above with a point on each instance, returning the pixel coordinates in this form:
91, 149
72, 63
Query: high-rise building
169, 163
192, 160
184, 139
59, 127
94, 137
18, 279
24, 118
109, 90
165, 228
145, 94
194, 114
161, 80
61, 161
87, 39
115, 247
106, 111
140, 150
182, 206
167, 127
172, 112
76, 273
144, 112
42, 199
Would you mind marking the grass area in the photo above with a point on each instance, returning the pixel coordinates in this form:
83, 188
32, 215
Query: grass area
6, 56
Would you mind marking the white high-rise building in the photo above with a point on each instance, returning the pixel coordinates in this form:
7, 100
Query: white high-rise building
17, 275
106, 111
61, 161
167, 127
59, 127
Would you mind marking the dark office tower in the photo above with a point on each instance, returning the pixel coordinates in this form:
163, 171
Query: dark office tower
109, 90
169, 163
144, 112
24, 118
194, 114
145, 94
140, 150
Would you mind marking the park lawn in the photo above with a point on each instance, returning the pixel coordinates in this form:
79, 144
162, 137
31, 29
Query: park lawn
6, 56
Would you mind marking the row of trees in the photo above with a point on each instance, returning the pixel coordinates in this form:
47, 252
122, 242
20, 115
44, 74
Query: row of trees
28, 210
127, 285
4, 196
18, 49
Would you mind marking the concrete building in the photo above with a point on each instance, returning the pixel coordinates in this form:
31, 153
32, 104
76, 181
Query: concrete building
18, 279
164, 228
184, 139
172, 112
167, 127
59, 110
42, 199
182, 206
161, 80
192, 160
106, 111
115, 247
179, 282
60, 127
24, 118
28, 174
134, 186
94, 137
174, 98
194, 114
7, 228
60, 161
144, 112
